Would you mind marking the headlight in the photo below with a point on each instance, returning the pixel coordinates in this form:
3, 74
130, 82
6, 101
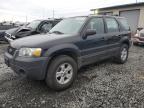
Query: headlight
137, 35
30, 52
13, 36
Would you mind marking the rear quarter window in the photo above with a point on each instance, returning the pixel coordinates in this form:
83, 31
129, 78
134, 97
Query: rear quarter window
124, 24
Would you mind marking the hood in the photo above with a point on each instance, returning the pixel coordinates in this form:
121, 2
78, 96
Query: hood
40, 41
12, 31
17, 31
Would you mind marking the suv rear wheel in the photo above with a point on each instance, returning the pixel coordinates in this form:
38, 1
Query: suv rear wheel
123, 54
61, 72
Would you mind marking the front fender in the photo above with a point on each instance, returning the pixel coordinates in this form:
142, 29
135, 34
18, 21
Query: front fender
62, 48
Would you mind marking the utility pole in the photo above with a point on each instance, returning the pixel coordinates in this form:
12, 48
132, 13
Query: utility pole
53, 13
26, 19
12, 18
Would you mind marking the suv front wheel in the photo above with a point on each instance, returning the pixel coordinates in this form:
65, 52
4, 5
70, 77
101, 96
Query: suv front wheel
61, 73
122, 55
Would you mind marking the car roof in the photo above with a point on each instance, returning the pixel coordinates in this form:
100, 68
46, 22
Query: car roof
112, 16
89, 16
48, 20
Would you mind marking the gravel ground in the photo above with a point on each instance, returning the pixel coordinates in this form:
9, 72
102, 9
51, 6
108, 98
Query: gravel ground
103, 85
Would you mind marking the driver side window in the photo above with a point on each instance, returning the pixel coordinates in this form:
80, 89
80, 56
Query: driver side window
46, 27
96, 24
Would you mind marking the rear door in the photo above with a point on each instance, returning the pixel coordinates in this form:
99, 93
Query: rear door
113, 34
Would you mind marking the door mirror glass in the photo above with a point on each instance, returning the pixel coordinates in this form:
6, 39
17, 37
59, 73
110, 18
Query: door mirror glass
90, 32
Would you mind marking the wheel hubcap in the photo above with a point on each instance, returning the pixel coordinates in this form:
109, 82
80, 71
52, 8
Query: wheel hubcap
124, 54
64, 73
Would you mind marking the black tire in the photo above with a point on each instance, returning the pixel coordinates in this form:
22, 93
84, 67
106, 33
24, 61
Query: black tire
51, 79
118, 58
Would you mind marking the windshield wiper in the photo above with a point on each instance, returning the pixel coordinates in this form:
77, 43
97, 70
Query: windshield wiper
57, 32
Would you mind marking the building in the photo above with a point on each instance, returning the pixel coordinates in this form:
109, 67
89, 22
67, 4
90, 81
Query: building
133, 12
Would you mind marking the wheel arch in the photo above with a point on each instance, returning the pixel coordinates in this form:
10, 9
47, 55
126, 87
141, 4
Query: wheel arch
66, 49
69, 52
126, 41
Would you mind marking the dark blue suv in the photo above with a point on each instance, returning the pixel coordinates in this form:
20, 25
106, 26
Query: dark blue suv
74, 42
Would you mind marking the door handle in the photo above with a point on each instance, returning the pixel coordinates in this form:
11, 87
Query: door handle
117, 35
102, 38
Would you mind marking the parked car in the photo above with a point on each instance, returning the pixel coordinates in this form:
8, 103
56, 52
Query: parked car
74, 42
10, 28
138, 39
2, 33
35, 27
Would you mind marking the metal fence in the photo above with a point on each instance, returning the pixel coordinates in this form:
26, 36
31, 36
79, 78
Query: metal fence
6, 27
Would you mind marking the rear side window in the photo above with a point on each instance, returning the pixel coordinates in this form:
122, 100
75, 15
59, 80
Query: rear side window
124, 24
96, 24
112, 25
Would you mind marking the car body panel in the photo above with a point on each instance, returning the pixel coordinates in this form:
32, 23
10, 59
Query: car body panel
86, 49
139, 37
2, 33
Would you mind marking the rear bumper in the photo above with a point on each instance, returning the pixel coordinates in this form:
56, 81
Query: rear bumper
33, 68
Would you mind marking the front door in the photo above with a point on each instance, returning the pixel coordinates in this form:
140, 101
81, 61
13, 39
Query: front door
94, 46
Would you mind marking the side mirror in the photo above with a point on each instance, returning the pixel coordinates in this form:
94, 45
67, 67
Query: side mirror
139, 28
90, 32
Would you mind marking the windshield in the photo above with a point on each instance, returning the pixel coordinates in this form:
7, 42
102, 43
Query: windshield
33, 24
69, 26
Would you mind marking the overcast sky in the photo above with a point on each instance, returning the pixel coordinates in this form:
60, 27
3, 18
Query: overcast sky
17, 10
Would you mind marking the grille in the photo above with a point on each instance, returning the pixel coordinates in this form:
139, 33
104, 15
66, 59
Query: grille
11, 50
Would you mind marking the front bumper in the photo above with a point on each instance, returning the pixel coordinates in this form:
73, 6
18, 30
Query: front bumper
8, 39
137, 41
33, 68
